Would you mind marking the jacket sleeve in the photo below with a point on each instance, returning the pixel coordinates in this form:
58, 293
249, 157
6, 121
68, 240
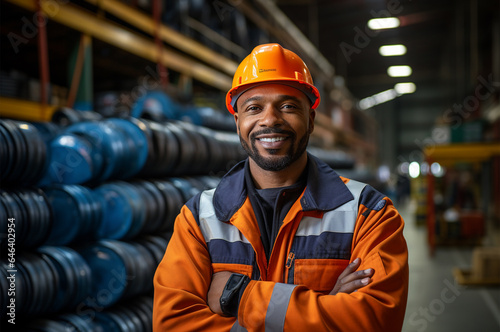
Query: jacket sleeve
182, 280
380, 306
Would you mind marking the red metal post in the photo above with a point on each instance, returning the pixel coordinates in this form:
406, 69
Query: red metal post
77, 72
43, 57
431, 214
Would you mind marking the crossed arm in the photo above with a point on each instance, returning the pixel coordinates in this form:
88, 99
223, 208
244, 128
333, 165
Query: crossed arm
350, 280
370, 294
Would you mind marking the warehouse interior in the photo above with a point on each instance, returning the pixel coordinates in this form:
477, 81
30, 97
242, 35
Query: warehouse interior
112, 115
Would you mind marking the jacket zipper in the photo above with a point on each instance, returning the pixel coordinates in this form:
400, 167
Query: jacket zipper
289, 264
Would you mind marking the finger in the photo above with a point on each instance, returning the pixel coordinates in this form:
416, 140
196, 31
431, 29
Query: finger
357, 275
350, 268
354, 285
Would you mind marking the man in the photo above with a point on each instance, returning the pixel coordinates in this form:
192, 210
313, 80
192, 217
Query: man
283, 242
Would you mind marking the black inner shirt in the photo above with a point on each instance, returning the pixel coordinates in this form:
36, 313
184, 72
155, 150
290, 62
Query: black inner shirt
271, 206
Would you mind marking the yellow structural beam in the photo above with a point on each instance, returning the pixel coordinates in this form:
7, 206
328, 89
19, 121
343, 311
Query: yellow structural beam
169, 35
466, 152
85, 22
25, 110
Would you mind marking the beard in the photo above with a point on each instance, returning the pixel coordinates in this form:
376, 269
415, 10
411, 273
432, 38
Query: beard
275, 163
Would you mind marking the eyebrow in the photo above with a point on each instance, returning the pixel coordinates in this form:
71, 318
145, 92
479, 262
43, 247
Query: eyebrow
280, 98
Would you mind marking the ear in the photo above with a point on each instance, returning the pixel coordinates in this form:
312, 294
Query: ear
312, 116
236, 122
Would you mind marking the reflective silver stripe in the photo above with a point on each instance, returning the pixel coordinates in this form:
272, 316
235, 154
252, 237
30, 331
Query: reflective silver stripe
356, 188
332, 221
278, 305
211, 227
237, 327
340, 220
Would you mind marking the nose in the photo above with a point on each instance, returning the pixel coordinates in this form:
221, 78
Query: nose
270, 117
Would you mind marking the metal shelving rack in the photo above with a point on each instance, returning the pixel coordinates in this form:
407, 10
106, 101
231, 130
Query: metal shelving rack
153, 41
217, 74
448, 155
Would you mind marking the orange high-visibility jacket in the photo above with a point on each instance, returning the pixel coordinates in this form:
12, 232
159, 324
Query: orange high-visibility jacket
334, 221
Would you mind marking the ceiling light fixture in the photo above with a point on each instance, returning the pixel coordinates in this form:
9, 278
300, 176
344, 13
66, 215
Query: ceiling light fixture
387, 95
392, 50
378, 98
399, 71
407, 87
383, 23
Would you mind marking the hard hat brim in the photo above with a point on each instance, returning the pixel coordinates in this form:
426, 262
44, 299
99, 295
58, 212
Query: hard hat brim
309, 90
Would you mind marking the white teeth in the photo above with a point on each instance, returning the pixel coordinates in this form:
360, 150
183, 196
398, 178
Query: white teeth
273, 139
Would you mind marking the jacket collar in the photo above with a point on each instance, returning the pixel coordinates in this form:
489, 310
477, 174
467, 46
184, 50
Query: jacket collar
325, 190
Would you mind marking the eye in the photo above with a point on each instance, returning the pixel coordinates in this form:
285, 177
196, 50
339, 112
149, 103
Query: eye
252, 109
289, 107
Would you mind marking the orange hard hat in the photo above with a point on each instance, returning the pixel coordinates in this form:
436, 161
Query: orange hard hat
271, 63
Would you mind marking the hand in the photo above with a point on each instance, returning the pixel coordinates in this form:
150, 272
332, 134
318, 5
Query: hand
219, 281
351, 280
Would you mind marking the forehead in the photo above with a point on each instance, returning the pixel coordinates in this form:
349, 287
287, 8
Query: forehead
272, 91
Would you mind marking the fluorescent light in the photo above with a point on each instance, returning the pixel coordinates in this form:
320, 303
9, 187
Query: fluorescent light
384, 96
383, 23
407, 87
387, 95
392, 50
366, 103
414, 169
399, 71
378, 98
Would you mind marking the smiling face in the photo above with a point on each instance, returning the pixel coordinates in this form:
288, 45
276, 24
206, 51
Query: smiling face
274, 122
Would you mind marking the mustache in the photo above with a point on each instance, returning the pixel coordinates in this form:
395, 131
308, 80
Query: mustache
272, 131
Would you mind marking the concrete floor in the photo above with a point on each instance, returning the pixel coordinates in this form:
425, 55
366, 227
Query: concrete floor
436, 303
